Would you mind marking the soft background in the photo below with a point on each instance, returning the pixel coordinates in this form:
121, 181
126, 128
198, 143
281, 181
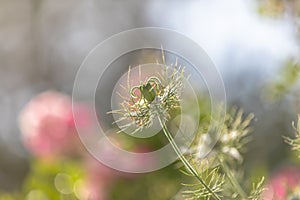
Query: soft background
253, 43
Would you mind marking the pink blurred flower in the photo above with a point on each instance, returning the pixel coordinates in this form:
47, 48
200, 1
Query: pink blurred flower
282, 183
47, 124
98, 181
94, 191
100, 177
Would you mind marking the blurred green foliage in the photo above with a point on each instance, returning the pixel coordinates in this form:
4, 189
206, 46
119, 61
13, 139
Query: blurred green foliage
288, 77
159, 185
53, 180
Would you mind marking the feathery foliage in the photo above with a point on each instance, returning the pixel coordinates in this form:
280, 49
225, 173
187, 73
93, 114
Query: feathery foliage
211, 177
294, 142
227, 156
257, 190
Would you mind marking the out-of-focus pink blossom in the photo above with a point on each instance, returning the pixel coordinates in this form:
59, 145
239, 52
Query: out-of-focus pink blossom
282, 184
100, 177
47, 124
95, 191
144, 161
87, 189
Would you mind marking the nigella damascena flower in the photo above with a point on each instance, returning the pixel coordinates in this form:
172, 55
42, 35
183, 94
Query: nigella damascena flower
153, 97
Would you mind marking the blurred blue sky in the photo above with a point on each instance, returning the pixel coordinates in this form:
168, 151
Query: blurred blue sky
230, 29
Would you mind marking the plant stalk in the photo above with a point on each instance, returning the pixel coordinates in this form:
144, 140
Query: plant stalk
232, 179
184, 160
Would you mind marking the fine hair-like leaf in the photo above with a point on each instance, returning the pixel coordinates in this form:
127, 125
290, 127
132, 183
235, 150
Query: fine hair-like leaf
294, 142
211, 177
257, 190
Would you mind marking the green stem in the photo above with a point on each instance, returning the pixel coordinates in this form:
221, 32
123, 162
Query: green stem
232, 179
184, 160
